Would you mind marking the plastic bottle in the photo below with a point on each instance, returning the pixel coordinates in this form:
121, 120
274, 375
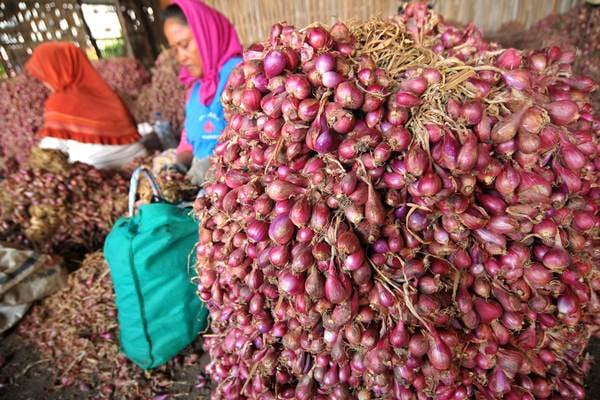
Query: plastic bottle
164, 132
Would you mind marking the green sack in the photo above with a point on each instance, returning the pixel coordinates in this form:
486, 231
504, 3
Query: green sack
148, 254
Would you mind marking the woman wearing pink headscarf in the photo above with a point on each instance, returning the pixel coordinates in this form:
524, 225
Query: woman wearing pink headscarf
208, 49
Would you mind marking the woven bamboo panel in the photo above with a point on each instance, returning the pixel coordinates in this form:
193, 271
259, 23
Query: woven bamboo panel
25, 24
253, 18
491, 15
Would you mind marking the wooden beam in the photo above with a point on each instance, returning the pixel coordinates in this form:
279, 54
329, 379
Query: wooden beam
5, 68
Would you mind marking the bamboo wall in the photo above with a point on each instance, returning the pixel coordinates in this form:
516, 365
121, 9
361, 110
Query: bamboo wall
490, 15
24, 24
253, 18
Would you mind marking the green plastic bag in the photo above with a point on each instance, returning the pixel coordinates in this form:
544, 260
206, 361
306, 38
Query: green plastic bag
148, 254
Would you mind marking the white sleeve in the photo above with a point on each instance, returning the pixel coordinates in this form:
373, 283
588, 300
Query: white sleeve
51, 143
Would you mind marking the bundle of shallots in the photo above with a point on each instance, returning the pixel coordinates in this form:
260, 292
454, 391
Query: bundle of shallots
398, 209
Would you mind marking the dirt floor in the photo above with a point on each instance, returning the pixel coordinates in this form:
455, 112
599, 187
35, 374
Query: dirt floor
593, 380
24, 376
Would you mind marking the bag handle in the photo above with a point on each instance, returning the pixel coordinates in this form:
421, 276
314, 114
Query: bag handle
133, 186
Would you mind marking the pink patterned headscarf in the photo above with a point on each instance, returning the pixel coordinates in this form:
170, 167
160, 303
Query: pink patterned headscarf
217, 42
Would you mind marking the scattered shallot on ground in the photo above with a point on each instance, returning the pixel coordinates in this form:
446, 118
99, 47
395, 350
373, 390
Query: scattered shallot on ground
76, 330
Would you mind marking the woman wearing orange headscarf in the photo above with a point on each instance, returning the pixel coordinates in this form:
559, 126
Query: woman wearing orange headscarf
83, 116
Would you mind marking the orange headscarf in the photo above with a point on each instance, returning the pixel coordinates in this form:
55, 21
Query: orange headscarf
82, 106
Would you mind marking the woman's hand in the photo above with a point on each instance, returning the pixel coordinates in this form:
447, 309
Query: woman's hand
185, 158
198, 170
176, 167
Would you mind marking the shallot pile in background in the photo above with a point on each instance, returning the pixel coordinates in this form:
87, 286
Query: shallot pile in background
125, 75
68, 209
165, 94
400, 210
60, 208
22, 109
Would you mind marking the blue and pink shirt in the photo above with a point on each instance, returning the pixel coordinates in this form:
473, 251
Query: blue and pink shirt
204, 124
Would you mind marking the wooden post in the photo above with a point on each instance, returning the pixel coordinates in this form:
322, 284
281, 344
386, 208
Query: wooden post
86, 27
157, 26
124, 29
5, 68
147, 28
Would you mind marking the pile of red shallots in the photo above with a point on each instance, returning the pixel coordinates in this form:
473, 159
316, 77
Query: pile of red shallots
398, 210
61, 208
578, 29
22, 108
164, 94
125, 75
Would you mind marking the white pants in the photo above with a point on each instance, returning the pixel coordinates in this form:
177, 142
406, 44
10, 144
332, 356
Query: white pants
97, 155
